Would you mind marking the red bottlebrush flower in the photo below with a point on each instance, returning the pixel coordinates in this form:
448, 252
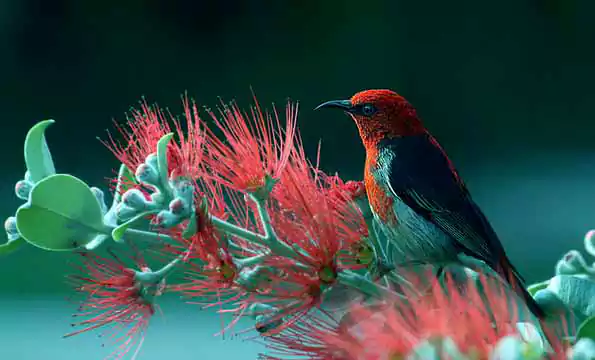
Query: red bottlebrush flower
303, 216
392, 329
147, 126
212, 272
305, 339
344, 199
307, 216
253, 146
115, 301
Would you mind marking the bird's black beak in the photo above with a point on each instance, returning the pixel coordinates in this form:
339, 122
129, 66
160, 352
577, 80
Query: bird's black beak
345, 105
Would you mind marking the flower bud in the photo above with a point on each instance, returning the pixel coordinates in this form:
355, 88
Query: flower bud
23, 189
10, 225
178, 207
147, 174
153, 161
508, 348
124, 212
267, 323
166, 219
584, 349
590, 242
157, 198
572, 263
135, 199
100, 196
184, 189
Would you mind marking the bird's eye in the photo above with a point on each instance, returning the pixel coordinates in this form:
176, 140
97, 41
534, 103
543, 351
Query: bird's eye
368, 109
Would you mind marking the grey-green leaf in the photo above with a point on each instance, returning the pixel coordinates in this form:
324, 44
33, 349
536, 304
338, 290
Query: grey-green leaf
534, 288
119, 231
37, 154
62, 214
587, 329
11, 246
162, 158
126, 181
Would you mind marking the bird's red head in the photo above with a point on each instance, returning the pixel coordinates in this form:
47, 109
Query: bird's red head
380, 114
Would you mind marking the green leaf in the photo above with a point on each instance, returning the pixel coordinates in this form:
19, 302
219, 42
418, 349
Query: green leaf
119, 231
190, 229
11, 246
62, 214
534, 288
162, 159
126, 181
587, 329
37, 154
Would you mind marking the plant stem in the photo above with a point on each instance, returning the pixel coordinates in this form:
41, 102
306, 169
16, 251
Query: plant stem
231, 229
272, 241
147, 237
251, 261
364, 285
151, 277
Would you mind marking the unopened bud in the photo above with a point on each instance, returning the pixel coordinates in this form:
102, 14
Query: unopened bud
166, 219
23, 188
135, 199
124, 212
184, 189
572, 263
147, 174
584, 349
100, 196
157, 198
178, 207
590, 242
267, 323
10, 225
153, 161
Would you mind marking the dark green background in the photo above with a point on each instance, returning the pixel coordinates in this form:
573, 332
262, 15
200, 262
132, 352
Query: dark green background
506, 86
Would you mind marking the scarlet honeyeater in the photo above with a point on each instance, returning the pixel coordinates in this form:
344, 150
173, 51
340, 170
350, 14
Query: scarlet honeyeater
416, 194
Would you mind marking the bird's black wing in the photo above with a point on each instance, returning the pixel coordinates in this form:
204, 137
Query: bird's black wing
421, 175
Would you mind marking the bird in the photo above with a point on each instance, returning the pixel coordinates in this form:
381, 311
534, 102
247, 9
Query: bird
418, 200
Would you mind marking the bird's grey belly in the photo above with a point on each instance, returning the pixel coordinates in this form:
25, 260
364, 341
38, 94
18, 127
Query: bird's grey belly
414, 239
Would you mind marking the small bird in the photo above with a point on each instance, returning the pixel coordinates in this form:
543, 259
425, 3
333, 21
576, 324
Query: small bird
417, 197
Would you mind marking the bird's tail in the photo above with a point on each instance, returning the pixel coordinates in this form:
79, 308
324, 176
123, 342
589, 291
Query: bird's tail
517, 283
515, 280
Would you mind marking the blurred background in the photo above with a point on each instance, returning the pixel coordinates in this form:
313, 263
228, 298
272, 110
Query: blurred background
507, 87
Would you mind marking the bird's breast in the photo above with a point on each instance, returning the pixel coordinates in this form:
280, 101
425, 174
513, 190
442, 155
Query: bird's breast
381, 201
410, 235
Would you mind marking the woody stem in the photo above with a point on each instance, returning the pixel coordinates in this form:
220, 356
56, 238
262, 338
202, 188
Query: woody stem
269, 239
273, 242
364, 285
151, 277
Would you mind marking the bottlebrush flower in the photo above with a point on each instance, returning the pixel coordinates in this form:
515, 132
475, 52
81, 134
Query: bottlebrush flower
304, 218
115, 300
147, 126
344, 199
253, 146
305, 339
212, 272
394, 328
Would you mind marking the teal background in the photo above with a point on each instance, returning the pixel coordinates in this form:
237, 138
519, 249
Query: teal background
506, 86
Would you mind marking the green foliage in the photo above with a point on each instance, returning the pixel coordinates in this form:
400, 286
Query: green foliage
62, 214
162, 159
587, 329
119, 231
11, 246
534, 288
37, 154
126, 181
